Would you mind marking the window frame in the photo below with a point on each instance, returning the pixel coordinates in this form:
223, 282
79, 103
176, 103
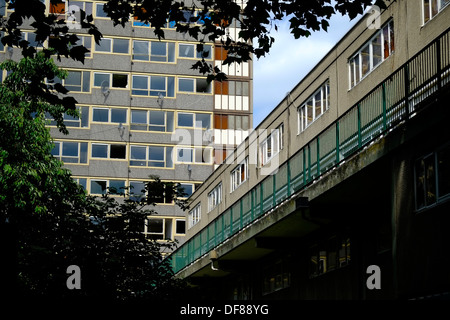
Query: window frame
168, 92
436, 181
215, 197
195, 158
195, 86
146, 161
239, 175
431, 13
275, 138
108, 150
194, 216
110, 80
80, 159
310, 105
356, 76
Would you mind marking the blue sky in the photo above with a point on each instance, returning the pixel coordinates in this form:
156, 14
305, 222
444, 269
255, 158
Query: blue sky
289, 61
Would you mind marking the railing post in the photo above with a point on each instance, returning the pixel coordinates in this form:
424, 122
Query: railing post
359, 126
241, 215
304, 166
288, 178
318, 157
252, 204
274, 199
231, 220
438, 64
406, 79
337, 143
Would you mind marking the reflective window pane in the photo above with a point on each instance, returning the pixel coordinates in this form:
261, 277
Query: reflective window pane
185, 119
100, 115
99, 151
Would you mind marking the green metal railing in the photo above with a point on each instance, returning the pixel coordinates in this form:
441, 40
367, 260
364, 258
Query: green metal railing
392, 101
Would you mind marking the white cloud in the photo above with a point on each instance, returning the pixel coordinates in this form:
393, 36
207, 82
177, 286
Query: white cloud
288, 62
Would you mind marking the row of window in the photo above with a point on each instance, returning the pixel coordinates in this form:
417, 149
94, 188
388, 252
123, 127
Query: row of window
141, 50
147, 120
135, 190
268, 148
154, 120
156, 156
142, 85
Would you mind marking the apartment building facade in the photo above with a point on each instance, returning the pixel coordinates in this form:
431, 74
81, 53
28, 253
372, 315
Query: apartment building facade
348, 172
144, 111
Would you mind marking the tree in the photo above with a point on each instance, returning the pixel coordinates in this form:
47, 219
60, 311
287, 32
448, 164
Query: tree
49, 223
205, 20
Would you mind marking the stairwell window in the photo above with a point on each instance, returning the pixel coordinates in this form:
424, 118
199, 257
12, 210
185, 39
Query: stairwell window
373, 53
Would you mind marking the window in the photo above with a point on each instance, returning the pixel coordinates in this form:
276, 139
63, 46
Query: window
194, 85
70, 152
155, 228
77, 81
232, 88
59, 9
185, 119
272, 145
180, 226
156, 51
153, 86
151, 156
98, 186
162, 192
82, 182
229, 121
215, 197
372, 54
186, 188
71, 121
108, 151
99, 12
276, 277
162, 51
112, 115
314, 107
194, 155
85, 41
113, 80
191, 120
185, 155
239, 175
186, 50
432, 7
432, 176
152, 120
194, 216
111, 45
137, 190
